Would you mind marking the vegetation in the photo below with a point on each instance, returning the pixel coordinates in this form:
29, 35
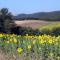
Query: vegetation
6, 21
7, 25
51, 26
21, 43
30, 47
51, 29
24, 30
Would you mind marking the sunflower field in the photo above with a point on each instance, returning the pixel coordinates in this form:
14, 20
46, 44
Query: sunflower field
42, 47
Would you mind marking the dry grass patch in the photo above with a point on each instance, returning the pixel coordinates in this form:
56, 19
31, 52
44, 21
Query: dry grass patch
31, 23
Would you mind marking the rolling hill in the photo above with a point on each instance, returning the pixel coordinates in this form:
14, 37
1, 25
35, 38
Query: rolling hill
49, 16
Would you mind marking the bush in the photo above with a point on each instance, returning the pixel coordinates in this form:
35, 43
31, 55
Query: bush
56, 31
46, 31
24, 30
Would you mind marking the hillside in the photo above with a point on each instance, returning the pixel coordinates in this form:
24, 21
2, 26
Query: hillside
54, 15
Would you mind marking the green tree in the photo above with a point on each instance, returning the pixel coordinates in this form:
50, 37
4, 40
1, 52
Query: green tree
6, 21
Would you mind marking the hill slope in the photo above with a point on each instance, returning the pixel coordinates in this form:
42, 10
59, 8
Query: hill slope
54, 15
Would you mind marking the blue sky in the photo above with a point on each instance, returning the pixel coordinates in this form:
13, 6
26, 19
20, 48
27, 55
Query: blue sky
30, 6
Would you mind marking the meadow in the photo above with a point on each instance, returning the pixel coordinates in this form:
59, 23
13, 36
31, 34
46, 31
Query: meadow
17, 47
20, 43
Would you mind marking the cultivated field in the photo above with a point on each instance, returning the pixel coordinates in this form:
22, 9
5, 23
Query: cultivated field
37, 24
31, 23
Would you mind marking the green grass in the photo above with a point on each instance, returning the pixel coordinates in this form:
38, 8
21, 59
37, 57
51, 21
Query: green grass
50, 26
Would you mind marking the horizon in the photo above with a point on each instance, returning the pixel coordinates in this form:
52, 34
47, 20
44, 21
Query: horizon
29, 7
38, 12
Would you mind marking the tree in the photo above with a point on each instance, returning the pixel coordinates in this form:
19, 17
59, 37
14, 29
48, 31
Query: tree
6, 21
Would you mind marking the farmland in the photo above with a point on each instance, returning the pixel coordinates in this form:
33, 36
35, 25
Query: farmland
31, 23
37, 24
